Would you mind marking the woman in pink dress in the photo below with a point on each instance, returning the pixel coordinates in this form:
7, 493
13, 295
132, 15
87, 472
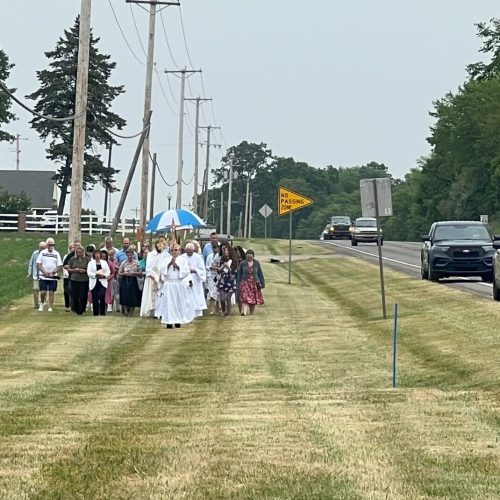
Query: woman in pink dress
108, 298
250, 282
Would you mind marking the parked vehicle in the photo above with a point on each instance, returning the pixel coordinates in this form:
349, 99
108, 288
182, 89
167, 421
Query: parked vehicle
496, 268
457, 248
365, 231
49, 219
340, 226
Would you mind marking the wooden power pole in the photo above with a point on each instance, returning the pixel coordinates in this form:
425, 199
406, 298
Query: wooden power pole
184, 73
207, 166
198, 101
147, 101
80, 122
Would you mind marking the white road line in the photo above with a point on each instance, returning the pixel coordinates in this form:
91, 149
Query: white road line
396, 261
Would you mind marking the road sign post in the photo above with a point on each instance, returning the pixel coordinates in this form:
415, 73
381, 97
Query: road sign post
265, 210
288, 202
376, 201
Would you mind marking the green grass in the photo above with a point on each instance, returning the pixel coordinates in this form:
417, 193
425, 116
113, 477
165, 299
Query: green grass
293, 402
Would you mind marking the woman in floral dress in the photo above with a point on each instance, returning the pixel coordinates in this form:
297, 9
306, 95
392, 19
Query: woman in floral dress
250, 280
227, 278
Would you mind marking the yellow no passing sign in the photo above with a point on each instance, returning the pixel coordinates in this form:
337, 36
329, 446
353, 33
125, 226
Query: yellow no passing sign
290, 201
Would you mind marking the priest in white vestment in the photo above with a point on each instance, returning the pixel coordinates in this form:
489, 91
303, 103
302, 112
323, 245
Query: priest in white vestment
198, 277
176, 307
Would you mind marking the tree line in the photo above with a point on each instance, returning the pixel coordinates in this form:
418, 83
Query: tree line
459, 179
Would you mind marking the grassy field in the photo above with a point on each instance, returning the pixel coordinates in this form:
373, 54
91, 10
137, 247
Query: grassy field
294, 402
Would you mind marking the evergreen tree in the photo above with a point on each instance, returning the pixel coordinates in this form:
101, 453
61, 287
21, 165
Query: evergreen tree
5, 102
56, 97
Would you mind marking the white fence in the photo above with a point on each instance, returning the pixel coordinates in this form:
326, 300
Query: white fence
90, 224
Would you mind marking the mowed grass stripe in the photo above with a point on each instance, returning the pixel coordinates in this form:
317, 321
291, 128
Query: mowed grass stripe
290, 403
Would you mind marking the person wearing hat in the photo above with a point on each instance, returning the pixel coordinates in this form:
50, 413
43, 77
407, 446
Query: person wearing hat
49, 263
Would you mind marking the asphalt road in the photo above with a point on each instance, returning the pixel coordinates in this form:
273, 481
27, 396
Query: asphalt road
405, 257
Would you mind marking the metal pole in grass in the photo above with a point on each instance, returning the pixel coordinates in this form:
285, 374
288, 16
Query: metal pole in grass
394, 346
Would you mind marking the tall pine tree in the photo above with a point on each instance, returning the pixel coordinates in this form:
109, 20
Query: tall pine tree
5, 102
56, 97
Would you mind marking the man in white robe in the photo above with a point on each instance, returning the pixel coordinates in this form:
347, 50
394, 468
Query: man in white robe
198, 277
151, 281
175, 304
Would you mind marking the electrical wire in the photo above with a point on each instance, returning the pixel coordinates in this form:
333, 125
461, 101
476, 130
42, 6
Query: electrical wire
187, 183
184, 37
123, 35
161, 175
163, 92
137, 30
39, 115
168, 43
119, 135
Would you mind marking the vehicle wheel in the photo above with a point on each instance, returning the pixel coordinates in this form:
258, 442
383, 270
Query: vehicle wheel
496, 291
423, 272
431, 275
488, 277
381, 242
354, 242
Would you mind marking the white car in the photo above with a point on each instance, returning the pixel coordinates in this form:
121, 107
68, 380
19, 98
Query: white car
365, 230
49, 219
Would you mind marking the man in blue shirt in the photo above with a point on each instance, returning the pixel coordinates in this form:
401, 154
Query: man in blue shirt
207, 249
121, 255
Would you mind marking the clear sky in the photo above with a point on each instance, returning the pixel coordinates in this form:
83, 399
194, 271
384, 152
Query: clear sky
330, 82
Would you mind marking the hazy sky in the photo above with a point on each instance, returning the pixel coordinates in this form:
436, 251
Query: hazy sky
328, 82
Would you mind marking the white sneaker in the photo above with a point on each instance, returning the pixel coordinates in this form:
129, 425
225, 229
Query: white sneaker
110, 308
49, 309
40, 307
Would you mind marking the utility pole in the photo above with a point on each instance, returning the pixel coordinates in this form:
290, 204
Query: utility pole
229, 197
198, 100
221, 225
80, 122
207, 165
18, 149
147, 100
185, 73
245, 227
130, 176
153, 180
250, 216
107, 193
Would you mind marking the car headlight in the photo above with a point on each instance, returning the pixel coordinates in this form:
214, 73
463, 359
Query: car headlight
332, 229
350, 229
439, 248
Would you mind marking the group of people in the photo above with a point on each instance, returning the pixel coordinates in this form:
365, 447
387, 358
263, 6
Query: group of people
173, 283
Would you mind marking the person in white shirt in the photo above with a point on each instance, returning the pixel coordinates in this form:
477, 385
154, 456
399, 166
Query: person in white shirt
98, 273
176, 308
198, 276
49, 263
33, 272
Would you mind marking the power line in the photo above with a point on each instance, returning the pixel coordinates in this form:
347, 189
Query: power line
163, 92
184, 37
161, 175
168, 43
33, 112
137, 30
187, 183
123, 35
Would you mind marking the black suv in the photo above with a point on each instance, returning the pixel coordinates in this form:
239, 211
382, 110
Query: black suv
340, 226
457, 248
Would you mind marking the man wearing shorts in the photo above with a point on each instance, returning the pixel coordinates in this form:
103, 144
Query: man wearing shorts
33, 272
49, 263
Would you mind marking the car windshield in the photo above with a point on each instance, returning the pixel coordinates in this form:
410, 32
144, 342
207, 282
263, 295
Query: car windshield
341, 220
366, 223
462, 232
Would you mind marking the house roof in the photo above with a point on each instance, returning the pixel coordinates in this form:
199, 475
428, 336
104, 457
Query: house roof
37, 184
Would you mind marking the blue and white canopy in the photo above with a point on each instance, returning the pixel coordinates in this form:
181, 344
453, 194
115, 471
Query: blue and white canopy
178, 218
